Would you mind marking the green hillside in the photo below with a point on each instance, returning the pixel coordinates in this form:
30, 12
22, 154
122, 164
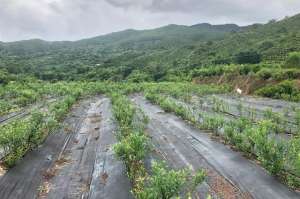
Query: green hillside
166, 53
273, 41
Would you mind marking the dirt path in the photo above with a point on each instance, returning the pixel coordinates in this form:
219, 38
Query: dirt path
23, 181
88, 168
184, 145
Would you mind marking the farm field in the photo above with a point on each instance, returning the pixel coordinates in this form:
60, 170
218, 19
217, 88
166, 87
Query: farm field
152, 99
150, 140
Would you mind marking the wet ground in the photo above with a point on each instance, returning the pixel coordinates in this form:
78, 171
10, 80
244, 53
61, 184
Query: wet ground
89, 168
76, 162
230, 175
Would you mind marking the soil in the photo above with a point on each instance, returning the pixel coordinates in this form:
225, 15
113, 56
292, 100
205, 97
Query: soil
247, 83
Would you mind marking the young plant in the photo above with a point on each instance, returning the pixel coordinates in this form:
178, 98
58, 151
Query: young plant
213, 123
278, 121
167, 183
132, 151
268, 150
219, 105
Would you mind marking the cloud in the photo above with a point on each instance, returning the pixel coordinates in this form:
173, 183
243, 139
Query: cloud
75, 19
216, 8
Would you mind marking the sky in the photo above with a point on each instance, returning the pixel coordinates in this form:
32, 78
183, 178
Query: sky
76, 19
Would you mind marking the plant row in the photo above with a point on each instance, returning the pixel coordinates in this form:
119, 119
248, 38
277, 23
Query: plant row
186, 91
134, 147
21, 136
280, 157
286, 122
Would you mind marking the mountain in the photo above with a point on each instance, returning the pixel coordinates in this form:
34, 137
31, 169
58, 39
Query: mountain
273, 41
157, 54
130, 39
126, 49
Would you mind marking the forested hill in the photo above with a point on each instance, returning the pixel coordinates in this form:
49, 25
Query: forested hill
163, 37
158, 54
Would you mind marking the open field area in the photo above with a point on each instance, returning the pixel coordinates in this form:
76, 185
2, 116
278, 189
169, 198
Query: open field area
151, 99
82, 140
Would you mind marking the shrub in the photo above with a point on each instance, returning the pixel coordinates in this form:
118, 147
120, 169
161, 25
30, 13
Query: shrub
293, 60
284, 74
60, 108
268, 150
246, 69
236, 132
265, 73
287, 90
132, 151
167, 183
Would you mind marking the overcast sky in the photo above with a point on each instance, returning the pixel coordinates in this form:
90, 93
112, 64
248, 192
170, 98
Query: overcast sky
76, 19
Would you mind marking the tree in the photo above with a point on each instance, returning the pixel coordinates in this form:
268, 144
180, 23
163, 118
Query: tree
138, 76
293, 60
266, 45
4, 77
248, 57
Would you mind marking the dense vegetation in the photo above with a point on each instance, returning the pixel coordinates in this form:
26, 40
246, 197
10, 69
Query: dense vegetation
153, 55
268, 52
114, 56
